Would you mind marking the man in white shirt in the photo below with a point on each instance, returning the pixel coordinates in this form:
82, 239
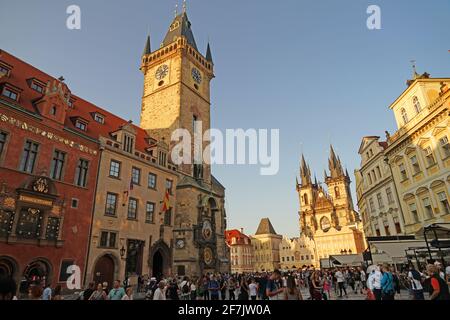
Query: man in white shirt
415, 278
341, 282
374, 283
253, 288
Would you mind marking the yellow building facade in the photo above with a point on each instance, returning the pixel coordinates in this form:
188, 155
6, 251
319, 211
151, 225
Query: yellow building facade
328, 217
419, 152
296, 253
266, 247
131, 235
176, 96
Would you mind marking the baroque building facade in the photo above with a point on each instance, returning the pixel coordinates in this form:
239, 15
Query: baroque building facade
328, 217
419, 151
241, 251
296, 253
48, 176
177, 96
266, 246
378, 200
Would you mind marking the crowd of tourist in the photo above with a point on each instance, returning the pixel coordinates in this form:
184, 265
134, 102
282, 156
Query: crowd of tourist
380, 282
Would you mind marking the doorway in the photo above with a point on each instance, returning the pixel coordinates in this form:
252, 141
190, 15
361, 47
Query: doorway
158, 265
104, 270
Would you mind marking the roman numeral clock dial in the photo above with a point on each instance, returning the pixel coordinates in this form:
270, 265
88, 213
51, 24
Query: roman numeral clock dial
196, 75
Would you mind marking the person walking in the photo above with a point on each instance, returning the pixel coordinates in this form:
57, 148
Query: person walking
185, 288
291, 291
374, 283
244, 293
253, 289
47, 293
387, 284
57, 293
317, 286
415, 279
223, 287
438, 288
193, 288
231, 289
341, 282
172, 291
128, 294
88, 291
358, 283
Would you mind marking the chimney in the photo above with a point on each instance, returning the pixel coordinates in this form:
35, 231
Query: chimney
242, 230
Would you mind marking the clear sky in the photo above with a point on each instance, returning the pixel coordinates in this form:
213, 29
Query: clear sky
309, 68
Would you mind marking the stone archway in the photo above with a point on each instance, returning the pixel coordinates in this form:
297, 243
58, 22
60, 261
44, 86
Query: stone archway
38, 271
8, 267
160, 260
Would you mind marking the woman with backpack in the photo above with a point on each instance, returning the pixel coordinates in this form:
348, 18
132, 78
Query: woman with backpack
387, 284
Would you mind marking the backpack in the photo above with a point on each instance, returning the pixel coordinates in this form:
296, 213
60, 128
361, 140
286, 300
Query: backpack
186, 288
444, 291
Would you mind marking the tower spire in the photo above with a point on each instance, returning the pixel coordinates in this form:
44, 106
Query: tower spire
415, 74
147, 48
334, 164
208, 53
305, 172
184, 6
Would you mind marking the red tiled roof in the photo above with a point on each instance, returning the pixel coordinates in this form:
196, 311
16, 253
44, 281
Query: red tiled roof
230, 234
22, 72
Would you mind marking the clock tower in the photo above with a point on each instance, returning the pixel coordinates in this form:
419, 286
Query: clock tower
176, 95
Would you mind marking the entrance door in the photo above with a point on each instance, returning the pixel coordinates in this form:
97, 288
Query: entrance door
104, 270
158, 265
7, 268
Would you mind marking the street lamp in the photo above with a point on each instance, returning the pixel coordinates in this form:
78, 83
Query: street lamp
122, 252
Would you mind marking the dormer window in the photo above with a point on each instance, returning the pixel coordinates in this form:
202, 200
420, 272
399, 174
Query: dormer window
10, 93
37, 87
81, 125
162, 158
128, 143
70, 103
4, 70
99, 118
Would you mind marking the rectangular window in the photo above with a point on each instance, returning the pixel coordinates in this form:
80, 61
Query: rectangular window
428, 209
398, 227
168, 218
152, 181
162, 158
403, 173
132, 209
114, 169
379, 172
415, 164
99, 118
169, 186
445, 146
442, 196
380, 201
430, 157
63, 275
37, 87
371, 206
10, 94
81, 173
4, 70
2, 141
369, 178
135, 176
386, 228
413, 210
29, 156
81, 125
150, 212
56, 171
112, 240
128, 144
104, 239
389, 195
111, 204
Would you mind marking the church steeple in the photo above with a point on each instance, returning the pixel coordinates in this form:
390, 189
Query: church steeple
305, 173
147, 49
335, 166
180, 27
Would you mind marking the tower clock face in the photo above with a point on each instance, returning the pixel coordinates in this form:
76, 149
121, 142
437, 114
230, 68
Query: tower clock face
196, 75
207, 230
180, 244
162, 72
208, 256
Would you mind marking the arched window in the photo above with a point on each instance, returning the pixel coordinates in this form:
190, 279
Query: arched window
417, 105
305, 198
404, 116
337, 193
53, 111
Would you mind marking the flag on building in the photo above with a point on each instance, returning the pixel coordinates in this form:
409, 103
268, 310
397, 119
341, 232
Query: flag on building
166, 203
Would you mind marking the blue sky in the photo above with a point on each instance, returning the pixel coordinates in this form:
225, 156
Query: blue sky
309, 68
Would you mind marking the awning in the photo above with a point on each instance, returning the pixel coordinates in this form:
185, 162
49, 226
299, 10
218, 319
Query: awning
381, 258
396, 249
347, 260
442, 230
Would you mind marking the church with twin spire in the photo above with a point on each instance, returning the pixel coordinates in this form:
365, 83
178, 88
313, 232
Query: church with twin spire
327, 215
